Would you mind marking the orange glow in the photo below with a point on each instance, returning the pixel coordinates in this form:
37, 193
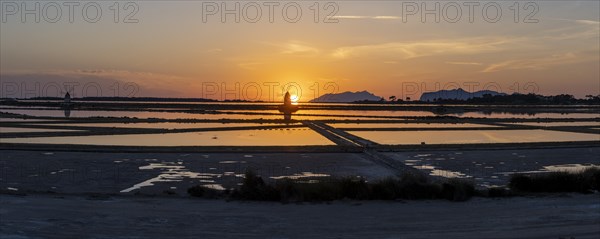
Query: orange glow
294, 99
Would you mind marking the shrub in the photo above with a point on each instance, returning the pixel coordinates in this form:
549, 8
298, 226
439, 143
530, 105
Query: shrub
458, 190
203, 192
354, 188
497, 192
409, 186
417, 186
386, 189
254, 188
583, 182
592, 177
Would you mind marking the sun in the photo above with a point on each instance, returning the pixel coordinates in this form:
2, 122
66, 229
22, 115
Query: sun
294, 98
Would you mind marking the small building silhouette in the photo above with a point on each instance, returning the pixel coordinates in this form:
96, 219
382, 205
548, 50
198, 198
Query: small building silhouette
67, 98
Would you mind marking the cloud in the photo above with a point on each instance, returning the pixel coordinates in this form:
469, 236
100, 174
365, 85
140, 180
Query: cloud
580, 21
536, 63
581, 29
463, 63
407, 50
588, 22
367, 17
214, 50
296, 48
249, 65
94, 82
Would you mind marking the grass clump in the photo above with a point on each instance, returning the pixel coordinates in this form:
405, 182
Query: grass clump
204, 192
499, 192
254, 188
406, 187
553, 182
409, 186
326, 190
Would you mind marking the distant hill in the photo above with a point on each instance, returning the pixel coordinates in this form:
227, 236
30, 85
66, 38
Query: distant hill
346, 97
457, 94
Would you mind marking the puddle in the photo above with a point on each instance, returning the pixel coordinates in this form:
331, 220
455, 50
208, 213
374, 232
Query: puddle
442, 173
169, 173
411, 162
31, 130
526, 116
232, 162
572, 168
473, 136
297, 137
406, 125
214, 186
170, 125
421, 155
301, 175
546, 124
21, 120
150, 182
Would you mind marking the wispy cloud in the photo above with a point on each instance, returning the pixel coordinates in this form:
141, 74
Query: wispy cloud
367, 17
407, 50
249, 65
588, 22
537, 63
214, 50
103, 82
296, 48
581, 21
580, 29
464, 63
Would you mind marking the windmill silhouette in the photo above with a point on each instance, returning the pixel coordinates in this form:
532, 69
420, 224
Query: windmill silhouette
67, 105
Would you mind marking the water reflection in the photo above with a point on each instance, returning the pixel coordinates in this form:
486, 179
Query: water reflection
31, 130
279, 137
286, 109
67, 111
407, 125
67, 105
473, 136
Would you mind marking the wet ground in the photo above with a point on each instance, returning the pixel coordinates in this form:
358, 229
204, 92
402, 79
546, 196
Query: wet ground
152, 173
494, 167
156, 173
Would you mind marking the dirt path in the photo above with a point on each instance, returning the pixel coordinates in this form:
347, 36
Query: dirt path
43, 216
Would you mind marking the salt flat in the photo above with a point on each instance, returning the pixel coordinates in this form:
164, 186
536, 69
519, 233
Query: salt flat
111, 173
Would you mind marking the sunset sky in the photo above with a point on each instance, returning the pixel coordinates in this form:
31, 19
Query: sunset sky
171, 52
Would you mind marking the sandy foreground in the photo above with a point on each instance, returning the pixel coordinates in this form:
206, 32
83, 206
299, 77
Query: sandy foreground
47, 216
56, 205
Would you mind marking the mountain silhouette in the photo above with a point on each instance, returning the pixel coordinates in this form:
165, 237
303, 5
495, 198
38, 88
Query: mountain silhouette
346, 97
456, 94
